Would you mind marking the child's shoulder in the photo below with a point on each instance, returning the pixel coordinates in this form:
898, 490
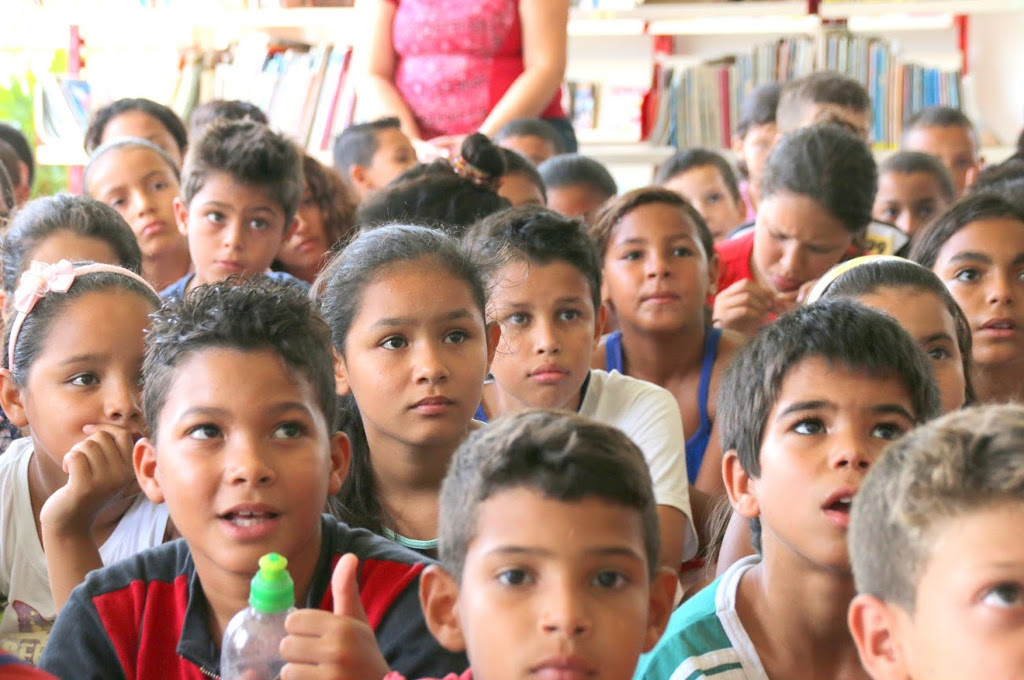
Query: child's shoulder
612, 395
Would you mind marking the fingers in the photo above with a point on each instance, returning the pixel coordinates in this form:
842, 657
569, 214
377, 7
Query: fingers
322, 644
345, 588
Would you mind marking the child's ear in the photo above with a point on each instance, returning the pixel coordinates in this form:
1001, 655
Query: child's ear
713, 267
341, 457
360, 177
872, 624
181, 215
740, 486
601, 319
493, 336
10, 399
144, 462
340, 374
439, 599
659, 609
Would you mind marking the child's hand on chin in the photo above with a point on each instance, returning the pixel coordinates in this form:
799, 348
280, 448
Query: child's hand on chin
338, 644
100, 472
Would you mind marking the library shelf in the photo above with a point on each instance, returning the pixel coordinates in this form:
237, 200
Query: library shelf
846, 9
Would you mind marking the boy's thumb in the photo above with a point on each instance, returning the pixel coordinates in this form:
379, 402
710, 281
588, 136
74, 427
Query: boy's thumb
345, 588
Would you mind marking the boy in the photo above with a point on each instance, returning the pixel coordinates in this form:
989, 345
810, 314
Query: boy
755, 136
913, 189
936, 551
534, 138
370, 155
805, 409
545, 279
708, 182
824, 97
949, 135
239, 397
577, 185
549, 546
240, 190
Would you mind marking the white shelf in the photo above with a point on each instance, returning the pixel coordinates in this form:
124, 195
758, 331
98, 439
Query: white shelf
726, 18
696, 10
842, 9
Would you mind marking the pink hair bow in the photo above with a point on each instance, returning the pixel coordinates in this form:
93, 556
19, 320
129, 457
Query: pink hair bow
40, 279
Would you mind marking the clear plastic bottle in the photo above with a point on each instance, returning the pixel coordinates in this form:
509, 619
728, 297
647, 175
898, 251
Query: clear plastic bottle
250, 649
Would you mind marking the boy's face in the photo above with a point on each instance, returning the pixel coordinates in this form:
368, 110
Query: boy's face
951, 144
969, 611
857, 122
705, 188
394, 155
549, 329
796, 240
575, 200
552, 589
520, 190
828, 425
244, 460
537, 149
232, 229
755, 147
911, 201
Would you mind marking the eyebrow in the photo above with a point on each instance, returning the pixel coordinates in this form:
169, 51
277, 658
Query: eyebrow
214, 411
396, 321
82, 358
608, 551
937, 336
800, 406
222, 205
573, 300
969, 255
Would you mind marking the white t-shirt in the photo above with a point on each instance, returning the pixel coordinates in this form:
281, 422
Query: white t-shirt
28, 611
649, 415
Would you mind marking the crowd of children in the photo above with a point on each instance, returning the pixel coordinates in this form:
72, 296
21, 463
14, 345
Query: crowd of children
503, 421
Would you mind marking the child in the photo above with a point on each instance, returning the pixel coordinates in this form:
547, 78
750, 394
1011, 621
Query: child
521, 184
545, 281
242, 448
370, 155
139, 180
577, 185
406, 310
222, 109
325, 219
824, 97
707, 181
138, 117
549, 539
913, 189
947, 134
26, 162
816, 197
7, 200
936, 551
659, 264
977, 249
1005, 179
240, 189
447, 195
534, 138
71, 370
11, 166
805, 409
755, 137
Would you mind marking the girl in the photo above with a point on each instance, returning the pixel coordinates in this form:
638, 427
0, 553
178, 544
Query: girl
71, 369
140, 181
521, 184
138, 117
326, 216
977, 250
659, 266
755, 136
406, 310
705, 179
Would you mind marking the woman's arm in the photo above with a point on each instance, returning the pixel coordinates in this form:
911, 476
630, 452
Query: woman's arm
377, 92
544, 25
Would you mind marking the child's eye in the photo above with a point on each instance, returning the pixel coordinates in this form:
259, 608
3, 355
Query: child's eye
258, 224
289, 431
925, 212
820, 250
394, 342
610, 579
887, 431
203, 432
809, 426
631, 255
85, 380
712, 199
456, 337
215, 216
966, 275
117, 202
1004, 595
161, 185
939, 353
514, 577
683, 252
890, 214
518, 318
569, 314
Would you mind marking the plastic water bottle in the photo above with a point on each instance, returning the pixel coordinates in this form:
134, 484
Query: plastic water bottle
250, 650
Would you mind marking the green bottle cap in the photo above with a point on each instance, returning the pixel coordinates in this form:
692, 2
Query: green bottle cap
272, 589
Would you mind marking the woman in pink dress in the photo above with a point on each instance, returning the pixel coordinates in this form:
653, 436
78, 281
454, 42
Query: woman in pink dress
447, 68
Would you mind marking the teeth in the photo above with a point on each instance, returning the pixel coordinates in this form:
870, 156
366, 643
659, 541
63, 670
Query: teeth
845, 501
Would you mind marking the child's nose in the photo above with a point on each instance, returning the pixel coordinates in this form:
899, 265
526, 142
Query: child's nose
430, 365
657, 265
121, 404
851, 451
565, 613
1000, 288
246, 464
545, 337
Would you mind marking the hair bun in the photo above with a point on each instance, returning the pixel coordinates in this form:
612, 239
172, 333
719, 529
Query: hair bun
478, 150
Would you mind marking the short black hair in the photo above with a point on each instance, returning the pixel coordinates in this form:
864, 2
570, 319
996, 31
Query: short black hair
518, 164
840, 332
168, 118
7, 200
820, 87
571, 169
222, 109
828, 164
38, 219
563, 456
252, 154
699, 158
436, 195
616, 209
16, 138
938, 116
1005, 179
357, 143
759, 108
9, 162
531, 127
249, 316
972, 208
534, 235
912, 162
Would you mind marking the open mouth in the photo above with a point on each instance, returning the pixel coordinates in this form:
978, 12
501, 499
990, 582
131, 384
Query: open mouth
246, 518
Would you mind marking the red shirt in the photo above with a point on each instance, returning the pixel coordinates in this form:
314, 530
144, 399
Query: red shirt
734, 260
456, 59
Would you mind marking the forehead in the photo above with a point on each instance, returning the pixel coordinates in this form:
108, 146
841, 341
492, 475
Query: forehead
78, 330
937, 138
817, 378
529, 281
414, 289
918, 311
697, 176
125, 164
912, 184
654, 221
823, 112
389, 138
67, 245
133, 124
799, 217
574, 200
998, 237
221, 187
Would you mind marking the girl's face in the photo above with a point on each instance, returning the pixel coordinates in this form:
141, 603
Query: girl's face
520, 190
983, 267
656, 274
307, 245
416, 356
142, 125
140, 185
925, 316
87, 373
755, 148
707, 191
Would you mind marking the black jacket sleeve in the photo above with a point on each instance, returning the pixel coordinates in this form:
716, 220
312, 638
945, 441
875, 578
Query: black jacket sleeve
79, 647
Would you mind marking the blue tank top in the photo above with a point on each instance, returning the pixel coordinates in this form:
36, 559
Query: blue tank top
698, 443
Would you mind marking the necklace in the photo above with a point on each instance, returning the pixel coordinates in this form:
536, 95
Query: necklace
413, 543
